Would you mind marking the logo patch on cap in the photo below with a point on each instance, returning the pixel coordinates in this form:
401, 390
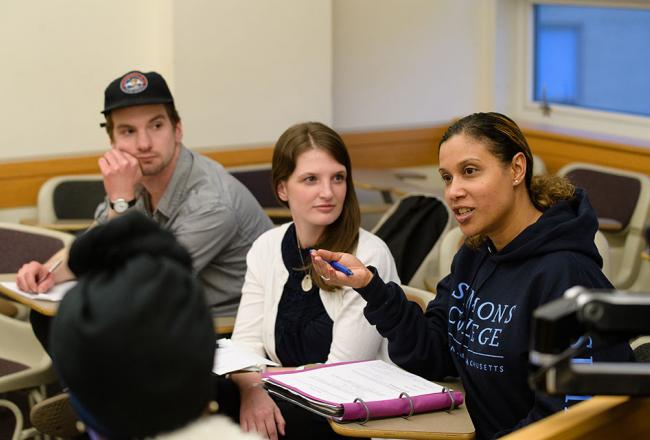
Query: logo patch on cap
133, 83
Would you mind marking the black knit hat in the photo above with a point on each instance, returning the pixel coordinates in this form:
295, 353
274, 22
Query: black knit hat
136, 88
133, 340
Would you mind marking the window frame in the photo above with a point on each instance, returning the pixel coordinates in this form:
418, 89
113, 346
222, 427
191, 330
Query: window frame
567, 116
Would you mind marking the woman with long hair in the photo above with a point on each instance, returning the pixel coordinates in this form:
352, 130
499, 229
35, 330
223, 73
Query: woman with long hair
287, 311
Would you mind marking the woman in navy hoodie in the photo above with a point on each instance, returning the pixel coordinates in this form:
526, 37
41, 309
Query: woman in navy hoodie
528, 240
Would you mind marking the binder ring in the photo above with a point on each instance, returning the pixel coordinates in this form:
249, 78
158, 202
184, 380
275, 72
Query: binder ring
360, 400
451, 397
411, 405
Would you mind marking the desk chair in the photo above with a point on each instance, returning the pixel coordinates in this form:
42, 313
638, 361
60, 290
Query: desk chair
23, 362
372, 205
55, 417
622, 202
20, 244
418, 296
257, 178
69, 197
411, 228
539, 167
454, 239
23, 365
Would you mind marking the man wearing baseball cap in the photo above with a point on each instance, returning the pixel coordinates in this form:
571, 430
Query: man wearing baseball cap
148, 169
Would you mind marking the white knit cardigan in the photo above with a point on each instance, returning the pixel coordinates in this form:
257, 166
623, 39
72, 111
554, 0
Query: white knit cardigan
353, 338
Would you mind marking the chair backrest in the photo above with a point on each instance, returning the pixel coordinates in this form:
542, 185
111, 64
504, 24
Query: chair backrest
24, 365
621, 200
603, 249
642, 282
20, 244
258, 180
70, 197
449, 245
454, 238
411, 229
641, 348
539, 167
418, 296
23, 361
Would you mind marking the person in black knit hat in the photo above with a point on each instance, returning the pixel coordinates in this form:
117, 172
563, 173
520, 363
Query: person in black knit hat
133, 340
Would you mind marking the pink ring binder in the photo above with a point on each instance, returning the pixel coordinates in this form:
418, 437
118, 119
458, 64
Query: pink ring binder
359, 400
411, 405
451, 397
362, 403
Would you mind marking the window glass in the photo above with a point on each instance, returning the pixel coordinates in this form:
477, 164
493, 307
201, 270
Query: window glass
592, 57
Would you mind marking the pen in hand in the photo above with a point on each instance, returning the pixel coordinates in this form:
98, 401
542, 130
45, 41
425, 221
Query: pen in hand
50, 271
341, 268
56, 264
42, 282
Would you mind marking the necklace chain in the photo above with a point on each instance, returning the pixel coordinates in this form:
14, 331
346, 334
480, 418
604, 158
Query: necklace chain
300, 255
306, 282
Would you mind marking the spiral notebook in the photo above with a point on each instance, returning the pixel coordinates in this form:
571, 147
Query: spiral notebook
361, 391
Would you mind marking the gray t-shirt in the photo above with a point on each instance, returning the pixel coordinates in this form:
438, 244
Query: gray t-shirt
215, 217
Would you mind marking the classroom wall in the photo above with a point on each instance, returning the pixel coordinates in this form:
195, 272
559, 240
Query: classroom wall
57, 57
246, 70
241, 70
389, 74
411, 62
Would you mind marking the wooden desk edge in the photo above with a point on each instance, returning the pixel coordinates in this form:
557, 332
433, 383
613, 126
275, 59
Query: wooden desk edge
402, 430
71, 225
587, 419
223, 324
609, 225
346, 430
365, 208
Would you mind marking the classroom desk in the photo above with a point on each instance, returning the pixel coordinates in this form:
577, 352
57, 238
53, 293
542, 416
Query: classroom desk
281, 213
609, 224
435, 425
47, 308
602, 417
71, 225
430, 283
222, 324
389, 181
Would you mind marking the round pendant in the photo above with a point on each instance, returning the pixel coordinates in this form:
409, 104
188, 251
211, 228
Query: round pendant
306, 283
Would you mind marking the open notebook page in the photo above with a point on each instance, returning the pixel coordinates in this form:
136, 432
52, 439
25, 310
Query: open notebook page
370, 381
55, 294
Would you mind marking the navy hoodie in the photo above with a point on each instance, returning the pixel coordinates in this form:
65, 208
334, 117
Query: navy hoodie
482, 316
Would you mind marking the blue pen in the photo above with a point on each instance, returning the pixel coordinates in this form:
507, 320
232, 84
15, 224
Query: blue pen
341, 268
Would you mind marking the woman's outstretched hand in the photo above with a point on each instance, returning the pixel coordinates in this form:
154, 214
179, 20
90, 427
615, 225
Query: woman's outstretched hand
360, 277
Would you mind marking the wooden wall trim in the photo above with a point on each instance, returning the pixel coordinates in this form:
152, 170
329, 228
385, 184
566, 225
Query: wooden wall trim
394, 148
20, 180
558, 149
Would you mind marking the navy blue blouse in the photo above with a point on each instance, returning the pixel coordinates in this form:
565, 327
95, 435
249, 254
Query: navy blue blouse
303, 329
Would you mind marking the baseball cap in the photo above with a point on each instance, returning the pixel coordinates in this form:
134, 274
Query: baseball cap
136, 88
133, 340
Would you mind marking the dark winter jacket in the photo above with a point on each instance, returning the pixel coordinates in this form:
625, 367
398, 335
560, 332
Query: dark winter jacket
478, 326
